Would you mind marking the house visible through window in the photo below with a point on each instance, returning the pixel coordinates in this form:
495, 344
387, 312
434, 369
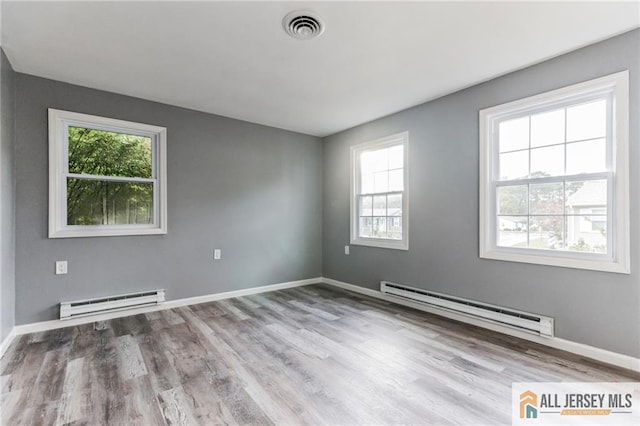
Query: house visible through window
379, 187
106, 176
554, 177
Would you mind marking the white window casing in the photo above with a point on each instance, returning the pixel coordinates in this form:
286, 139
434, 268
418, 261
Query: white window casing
402, 243
59, 122
615, 90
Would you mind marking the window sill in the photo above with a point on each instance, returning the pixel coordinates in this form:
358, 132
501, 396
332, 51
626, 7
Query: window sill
379, 243
104, 232
593, 263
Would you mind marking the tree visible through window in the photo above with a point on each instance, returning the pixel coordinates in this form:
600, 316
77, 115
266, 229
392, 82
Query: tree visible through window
94, 153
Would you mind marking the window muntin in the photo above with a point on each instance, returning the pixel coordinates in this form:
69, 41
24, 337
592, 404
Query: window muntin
107, 177
379, 202
554, 177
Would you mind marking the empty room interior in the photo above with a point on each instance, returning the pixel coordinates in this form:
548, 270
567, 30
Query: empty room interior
320, 213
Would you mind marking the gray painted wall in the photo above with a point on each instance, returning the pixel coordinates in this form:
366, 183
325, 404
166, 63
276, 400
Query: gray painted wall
251, 190
254, 192
7, 198
595, 308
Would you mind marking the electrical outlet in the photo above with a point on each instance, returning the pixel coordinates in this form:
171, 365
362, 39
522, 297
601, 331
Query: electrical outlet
217, 254
346, 250
61, 267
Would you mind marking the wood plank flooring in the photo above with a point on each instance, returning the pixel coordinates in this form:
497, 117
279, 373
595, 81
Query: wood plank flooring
310, 355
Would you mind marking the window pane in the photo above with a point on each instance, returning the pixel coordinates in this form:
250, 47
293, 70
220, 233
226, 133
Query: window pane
586, 157
587, 221
396, 180
379, 227
366, 206
514, 165
584, 196
597, 224
587, 233
396, 157
375, 161
381, 160
95, 202
547, 128
514, 134
547, 161
546, 198
380, 205
394, 227
512, 200
367, 162
546, 232
366, 227
381, 182
588, 121
394, 205
512, 231
366, 183
98, 152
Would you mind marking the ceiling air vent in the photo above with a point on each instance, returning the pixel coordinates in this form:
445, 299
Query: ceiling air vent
303, 25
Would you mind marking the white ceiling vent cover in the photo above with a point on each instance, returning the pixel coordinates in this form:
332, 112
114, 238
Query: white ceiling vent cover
303, 25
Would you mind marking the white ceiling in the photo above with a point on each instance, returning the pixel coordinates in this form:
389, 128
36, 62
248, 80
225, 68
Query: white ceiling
234, 59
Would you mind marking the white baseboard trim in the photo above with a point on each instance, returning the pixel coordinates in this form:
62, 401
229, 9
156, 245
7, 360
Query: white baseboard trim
54, 324
4, 345
603, 355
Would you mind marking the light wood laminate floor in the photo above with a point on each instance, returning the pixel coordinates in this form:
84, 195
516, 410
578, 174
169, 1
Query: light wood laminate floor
310, 355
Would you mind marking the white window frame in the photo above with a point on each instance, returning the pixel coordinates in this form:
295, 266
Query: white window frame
59, 122
355, 151
617, 258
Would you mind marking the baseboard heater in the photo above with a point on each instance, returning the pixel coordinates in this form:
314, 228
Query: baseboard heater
81, 308
524, 321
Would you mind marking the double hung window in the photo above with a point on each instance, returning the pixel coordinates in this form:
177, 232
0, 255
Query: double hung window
379, 199
554, 177
106, 176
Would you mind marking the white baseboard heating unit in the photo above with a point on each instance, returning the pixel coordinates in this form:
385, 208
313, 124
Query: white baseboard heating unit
523, 321
100, 305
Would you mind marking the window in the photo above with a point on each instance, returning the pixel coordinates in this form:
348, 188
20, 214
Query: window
554, 178
379, 200
106, 177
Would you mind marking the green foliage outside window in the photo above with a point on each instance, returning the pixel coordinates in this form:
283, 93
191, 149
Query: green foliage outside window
105, 202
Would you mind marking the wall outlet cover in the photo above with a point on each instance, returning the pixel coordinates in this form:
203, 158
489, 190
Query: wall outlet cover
61, 267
